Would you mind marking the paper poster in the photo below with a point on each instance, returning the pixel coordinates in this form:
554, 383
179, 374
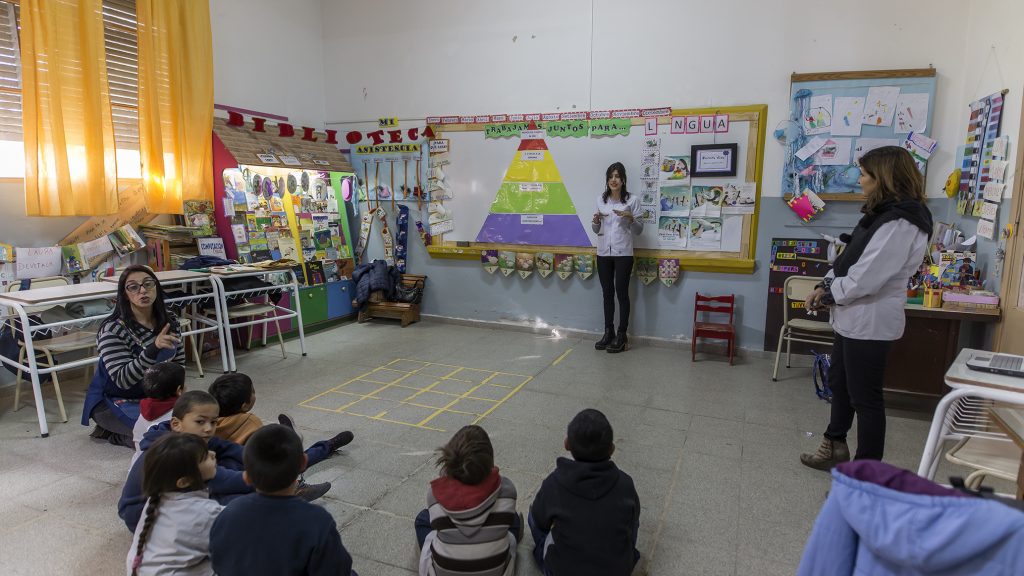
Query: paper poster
545, 263
920, 147
647, 214
997, 169
994, 191
911, 113
880, 105
506, 261
864, 145
705, 233
564, 265
986, 229
707, 201
212, 247
672, 232
999, 146
812, 146
584, 265
675, 200
989, 210
818, 119
835, 152
675, 168
524, 264
94, 249
489, 260
37, 262
848, 111
739, 198
732, 233
668, 271
646, 269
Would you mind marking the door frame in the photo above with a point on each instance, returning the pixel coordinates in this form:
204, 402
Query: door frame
1009, 334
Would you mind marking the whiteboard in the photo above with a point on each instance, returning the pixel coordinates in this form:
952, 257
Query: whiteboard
478, 167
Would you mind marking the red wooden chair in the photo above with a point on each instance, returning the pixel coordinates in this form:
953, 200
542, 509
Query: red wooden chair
714, 330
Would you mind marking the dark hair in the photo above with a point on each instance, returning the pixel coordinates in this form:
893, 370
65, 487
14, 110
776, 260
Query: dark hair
273, 458
190, 400
173, 456
590, 436
468, 456
231, 392
162, 380
896, 173
616, 167
123, 306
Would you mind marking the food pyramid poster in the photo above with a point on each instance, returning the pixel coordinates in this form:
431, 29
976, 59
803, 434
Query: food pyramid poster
533, 206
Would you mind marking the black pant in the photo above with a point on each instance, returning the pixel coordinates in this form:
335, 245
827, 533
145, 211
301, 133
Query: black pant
855, 376
614, 272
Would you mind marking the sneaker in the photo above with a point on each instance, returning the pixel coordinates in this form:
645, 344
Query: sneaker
341, 440
100, 433
310, 492
829, 453
121, 440
286, 421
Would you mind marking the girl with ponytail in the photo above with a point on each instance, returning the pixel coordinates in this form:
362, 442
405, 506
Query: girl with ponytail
174, 535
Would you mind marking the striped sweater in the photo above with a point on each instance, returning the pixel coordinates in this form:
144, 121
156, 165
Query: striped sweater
128, 352
470, 528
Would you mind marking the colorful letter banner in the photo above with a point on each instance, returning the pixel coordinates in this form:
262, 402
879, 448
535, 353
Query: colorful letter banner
610, 127
568, 128
489, 259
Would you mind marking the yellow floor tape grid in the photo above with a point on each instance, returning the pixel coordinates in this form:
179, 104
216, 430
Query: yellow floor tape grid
421, 394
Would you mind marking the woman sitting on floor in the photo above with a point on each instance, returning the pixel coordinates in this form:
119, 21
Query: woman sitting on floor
140, 332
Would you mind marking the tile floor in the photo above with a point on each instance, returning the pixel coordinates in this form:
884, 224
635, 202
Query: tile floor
713, 450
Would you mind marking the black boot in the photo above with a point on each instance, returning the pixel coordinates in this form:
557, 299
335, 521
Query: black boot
609, 335
620, 344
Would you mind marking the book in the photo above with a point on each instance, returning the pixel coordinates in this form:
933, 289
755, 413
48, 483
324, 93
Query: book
314, 273
199, 214
73, 260
6, 252
125, 240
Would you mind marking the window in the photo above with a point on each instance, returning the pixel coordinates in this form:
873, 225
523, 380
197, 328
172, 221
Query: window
121, 39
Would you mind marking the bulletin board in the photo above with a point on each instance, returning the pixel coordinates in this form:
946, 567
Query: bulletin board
852, 112
480, 169
792, 257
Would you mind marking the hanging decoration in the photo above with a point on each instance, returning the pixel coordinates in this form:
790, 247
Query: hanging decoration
584, 265
668, 270
564, 264
646, 269
545, 263
489, 259
506, 261
524, 264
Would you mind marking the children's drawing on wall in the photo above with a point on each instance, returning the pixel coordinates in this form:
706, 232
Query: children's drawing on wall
911, 113
881, 105
707, 201
847, 114
675, 200
672, 232
818, 119
739, 198
705, 233
835, 152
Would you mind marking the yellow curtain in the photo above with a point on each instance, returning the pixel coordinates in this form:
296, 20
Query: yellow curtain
70, 166
175, 102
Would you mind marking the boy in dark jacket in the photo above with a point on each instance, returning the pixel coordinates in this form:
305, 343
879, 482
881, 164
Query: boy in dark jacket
196, 412
304, 538
586, 515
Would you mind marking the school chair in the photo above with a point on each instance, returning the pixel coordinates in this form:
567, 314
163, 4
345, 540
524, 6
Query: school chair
71, 341
713, 330
796, 289
249, 312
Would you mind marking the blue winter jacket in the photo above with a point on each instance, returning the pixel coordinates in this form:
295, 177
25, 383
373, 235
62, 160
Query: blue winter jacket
376, 275
224, 487
866, 528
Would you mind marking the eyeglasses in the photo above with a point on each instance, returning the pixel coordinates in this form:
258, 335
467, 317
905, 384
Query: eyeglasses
146, 286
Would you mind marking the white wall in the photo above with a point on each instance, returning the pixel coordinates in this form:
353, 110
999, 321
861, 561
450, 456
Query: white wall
268, 57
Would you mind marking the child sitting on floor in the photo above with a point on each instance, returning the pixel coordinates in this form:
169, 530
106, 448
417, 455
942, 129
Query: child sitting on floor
236, 396
586, 515
162, 383
470, 525
175, 536
304, 538
196, 412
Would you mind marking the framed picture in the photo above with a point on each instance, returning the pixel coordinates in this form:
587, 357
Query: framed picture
710, 160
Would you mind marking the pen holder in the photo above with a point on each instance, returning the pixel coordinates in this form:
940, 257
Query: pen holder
932, 298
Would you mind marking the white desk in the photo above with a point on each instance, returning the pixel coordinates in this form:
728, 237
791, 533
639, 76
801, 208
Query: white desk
201, 323
966, 411
281, 312
24, 302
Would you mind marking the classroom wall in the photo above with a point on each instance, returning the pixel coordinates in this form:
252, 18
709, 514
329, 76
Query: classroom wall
465, 57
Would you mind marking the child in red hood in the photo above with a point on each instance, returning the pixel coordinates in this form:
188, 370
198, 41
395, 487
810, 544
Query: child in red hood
162, 383
470, 524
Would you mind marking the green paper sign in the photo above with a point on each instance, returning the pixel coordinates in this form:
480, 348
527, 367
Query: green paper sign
508, 129
568, 128
610, 127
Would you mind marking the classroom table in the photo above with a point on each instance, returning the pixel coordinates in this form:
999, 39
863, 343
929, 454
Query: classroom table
918, 361
201, 323
966, 411
24, 302
218, 275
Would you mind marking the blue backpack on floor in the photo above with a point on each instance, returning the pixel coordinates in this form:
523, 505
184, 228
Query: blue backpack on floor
819, 371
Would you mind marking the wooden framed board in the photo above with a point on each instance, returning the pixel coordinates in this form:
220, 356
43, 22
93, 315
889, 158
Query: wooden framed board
485, 181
